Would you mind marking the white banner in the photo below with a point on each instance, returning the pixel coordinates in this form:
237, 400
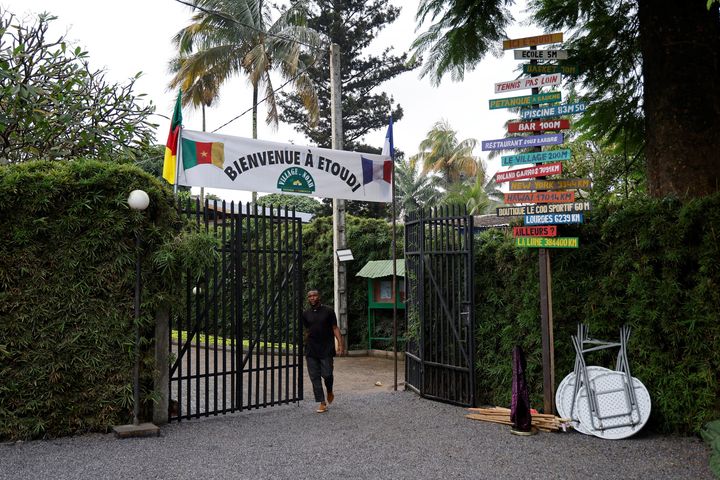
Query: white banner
236, 163
531, 82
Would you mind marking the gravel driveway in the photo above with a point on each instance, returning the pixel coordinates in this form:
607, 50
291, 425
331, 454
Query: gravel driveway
367, 434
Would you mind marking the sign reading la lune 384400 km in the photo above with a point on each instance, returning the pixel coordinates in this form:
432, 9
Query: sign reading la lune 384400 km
224, 161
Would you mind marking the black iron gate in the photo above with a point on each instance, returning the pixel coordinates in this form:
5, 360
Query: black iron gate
236, 344
440, 306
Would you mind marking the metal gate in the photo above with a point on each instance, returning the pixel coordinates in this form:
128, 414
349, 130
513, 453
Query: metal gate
440, 350
236, 344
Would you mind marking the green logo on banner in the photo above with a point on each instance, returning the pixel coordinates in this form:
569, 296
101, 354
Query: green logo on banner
296, 180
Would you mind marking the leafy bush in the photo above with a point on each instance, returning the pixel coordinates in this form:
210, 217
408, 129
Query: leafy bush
67, 276
653, 264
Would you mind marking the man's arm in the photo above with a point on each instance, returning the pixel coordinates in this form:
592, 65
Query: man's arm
339, 340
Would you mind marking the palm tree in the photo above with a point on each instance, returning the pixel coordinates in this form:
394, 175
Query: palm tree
230, 37
198, 91
413, 190
442, 153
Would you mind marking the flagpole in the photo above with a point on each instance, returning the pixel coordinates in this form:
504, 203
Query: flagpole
394, 258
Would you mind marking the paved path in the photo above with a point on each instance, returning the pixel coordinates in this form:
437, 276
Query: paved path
369, 433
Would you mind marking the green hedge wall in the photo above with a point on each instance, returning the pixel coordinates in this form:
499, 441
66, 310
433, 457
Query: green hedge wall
654, 264
67, 257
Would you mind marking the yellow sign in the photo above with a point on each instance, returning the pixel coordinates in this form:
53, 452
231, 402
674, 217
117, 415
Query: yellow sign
545, 242
532, 41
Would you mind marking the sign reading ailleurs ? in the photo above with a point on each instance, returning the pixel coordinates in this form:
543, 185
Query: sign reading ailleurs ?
544, 231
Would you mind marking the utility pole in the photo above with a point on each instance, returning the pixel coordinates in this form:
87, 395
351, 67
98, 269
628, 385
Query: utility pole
339, 240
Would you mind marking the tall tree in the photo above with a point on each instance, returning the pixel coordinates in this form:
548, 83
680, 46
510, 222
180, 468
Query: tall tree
441, 152
54, 106
414, 190
652, 76
352, 24
227, 38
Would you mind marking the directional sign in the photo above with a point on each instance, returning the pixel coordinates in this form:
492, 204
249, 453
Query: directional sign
525, 100
536, 157
546, 231
514, 211
540, 197
541, 242
512, 143
547, 68
541, 54
536, 171
529, 82
553, 219
559, 184
531, 41
538, 126
555, 111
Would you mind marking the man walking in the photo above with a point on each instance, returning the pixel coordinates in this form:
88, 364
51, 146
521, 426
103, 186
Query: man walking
321, 331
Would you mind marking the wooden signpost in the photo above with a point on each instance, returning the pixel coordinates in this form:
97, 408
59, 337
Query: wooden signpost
541, 54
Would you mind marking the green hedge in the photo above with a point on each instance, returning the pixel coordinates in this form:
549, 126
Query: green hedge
654, 264
67, 258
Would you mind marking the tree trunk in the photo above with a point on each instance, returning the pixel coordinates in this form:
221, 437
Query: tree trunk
680, 44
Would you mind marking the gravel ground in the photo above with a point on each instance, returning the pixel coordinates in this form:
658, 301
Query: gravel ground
365, 435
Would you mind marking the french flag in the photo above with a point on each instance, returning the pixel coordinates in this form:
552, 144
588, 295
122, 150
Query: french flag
380, 170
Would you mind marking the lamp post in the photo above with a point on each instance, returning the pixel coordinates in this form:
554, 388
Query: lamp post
137, 200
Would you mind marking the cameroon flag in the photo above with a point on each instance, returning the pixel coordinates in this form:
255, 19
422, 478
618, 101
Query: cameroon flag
196, 153
169, 165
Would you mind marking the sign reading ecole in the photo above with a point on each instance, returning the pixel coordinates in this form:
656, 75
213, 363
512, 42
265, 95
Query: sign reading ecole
541, 54
236, 163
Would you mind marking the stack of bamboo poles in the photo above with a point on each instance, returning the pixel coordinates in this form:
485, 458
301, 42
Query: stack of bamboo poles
545, 422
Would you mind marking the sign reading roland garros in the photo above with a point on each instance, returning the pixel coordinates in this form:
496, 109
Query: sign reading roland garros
531, 172
531, 41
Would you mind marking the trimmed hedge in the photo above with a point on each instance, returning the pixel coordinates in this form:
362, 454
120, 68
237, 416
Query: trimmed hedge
67, 276
653, 264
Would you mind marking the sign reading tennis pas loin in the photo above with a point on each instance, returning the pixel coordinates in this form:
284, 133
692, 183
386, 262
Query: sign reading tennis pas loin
512, 143
224, 161
529, 82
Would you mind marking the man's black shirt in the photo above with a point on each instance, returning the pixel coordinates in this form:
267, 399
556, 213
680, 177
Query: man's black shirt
319, 322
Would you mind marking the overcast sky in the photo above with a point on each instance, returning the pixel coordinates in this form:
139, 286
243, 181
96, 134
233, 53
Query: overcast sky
128, 36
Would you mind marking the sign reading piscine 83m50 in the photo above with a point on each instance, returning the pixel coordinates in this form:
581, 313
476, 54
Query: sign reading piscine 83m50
531, 41
536, 157
554, 111
525, 100
542, 242
512, 143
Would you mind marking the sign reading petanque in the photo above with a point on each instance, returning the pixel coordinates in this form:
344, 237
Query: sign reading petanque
555, 111
529, 82
541, 54
536, 171
553, 219
514, 211
525, 100
538, 126
547, 68
512, 143
544, 231
540, 197
541, 242
536, 157
532, 41
559, 184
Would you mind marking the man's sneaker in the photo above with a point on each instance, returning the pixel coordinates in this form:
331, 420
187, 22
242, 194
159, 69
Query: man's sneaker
330, 397
322, 408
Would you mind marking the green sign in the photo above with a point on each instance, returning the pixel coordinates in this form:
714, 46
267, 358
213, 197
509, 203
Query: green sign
525, 100
545, 69
545, 242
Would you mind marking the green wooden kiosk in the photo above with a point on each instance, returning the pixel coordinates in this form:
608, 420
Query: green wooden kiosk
380, 294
